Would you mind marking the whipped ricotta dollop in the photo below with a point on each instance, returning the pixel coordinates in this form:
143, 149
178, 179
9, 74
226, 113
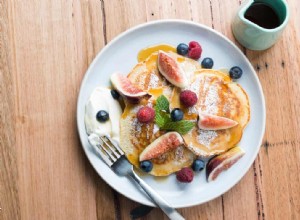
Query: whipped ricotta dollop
101, 99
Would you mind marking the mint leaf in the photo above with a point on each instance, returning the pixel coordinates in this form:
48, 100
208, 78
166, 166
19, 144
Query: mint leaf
161, 107
182, 127
161, 117
162, 103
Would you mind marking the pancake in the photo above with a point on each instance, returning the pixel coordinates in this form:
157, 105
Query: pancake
217, 95
147, 77
136, 136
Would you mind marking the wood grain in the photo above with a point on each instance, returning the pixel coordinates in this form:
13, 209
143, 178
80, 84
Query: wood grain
51, 49
277, 166
9, 197
45, 49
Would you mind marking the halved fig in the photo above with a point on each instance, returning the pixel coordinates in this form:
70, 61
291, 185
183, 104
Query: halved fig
125, 86
170, 69
161, 145
213, 122
222, 162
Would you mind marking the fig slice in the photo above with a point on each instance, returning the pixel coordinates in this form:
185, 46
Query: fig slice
161, 145
125, 86
214, 122
222, 162
170, 69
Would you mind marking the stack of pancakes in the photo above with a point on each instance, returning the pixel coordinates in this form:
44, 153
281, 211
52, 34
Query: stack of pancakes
217, 95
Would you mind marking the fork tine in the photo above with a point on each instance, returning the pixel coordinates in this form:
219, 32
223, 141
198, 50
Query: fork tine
115, 145
94, 140
105, 156
106, 147
111, 147
108, 152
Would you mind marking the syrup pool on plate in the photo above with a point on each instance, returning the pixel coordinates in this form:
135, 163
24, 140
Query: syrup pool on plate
146, 52
155, 92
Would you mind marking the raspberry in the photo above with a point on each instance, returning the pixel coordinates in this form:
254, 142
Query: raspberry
194, 44
185, 175
195, 50
145, 114
188, 98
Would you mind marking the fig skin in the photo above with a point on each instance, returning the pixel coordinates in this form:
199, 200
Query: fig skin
161, 145
214, 122
170, 69
124, 86
222, 162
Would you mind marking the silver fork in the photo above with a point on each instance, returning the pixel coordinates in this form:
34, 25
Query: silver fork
114, 157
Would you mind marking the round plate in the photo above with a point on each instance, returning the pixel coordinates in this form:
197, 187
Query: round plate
121, 55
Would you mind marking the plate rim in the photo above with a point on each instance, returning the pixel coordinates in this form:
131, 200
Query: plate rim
182, 22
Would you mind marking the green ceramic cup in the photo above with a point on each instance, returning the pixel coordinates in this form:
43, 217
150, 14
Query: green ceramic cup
253, 36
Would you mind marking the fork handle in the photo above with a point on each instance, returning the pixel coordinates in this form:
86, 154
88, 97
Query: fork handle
157, 199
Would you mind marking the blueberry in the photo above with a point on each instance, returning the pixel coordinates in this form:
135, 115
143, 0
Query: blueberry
235, 72
102, 116
198, 165
182, 49
207, 63
114, 93
176, 114
146, 165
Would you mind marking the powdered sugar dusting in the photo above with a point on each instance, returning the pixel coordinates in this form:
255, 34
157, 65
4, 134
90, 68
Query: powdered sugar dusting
149, 104
197, 150
153, 83
161, 157
205, 137
137, 125
155, 128
188, 69
142, 80
135, 109
226, 107
147, 133
135, 128
192, 110
179, 153
195, 86
211, 100
209, 103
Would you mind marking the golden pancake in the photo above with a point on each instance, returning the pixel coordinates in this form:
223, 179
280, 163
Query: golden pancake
136, 136
217, 95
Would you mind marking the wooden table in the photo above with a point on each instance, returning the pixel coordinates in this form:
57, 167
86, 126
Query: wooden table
45, 50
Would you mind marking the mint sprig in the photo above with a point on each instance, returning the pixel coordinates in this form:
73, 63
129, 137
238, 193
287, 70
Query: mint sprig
163, 118
182, 127
161, 111
162, 103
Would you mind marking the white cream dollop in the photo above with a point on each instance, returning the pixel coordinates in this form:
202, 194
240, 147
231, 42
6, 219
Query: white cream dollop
101, 99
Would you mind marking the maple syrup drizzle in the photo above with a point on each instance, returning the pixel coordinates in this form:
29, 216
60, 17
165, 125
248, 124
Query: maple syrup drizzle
155, 92
146, 52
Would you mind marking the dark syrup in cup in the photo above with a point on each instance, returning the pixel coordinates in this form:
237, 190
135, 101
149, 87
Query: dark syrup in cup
263, 15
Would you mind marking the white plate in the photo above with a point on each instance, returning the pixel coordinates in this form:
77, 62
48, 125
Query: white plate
121, 55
